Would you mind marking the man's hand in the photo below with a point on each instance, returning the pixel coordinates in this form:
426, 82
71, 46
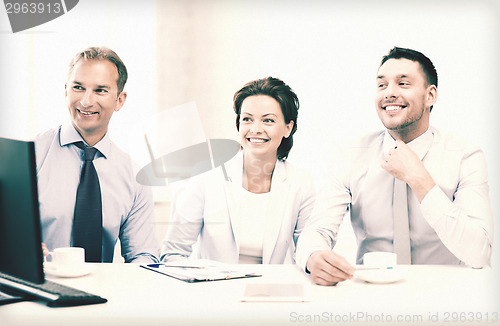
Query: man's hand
328, 268
45, 250
404, 164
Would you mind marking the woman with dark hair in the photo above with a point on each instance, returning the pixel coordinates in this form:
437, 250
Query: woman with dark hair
253, 210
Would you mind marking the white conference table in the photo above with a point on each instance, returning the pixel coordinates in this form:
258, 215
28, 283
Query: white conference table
428, 295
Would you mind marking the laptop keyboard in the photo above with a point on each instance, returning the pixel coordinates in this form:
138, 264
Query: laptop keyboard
63, 295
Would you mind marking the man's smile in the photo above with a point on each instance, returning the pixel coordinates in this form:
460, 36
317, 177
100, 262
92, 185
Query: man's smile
87, 113
393, 107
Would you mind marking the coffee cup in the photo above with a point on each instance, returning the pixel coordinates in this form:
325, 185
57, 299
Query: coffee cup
66, 259
380, 259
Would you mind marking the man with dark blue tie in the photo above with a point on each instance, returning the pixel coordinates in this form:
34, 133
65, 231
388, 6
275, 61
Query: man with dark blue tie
88, 193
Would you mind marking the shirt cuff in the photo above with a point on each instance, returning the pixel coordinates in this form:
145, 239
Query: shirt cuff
307, 250
168, 258
145, 259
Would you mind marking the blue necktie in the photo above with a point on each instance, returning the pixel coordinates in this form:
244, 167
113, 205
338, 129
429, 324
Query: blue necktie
87, 222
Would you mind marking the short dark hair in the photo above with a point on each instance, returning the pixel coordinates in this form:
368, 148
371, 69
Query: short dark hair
425, 63
102, 53
279, 91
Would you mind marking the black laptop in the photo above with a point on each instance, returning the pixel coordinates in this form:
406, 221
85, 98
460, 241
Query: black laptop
21, 258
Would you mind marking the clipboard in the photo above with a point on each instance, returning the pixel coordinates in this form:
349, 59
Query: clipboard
199, 273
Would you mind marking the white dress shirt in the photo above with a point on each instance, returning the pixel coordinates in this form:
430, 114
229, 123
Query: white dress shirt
127, 207
452, 225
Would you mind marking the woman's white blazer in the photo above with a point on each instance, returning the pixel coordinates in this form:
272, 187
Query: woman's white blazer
206, 211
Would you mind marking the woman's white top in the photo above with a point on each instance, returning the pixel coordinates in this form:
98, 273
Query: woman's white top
253, 219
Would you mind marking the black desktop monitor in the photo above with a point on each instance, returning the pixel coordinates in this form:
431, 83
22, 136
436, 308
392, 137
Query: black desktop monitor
20, 235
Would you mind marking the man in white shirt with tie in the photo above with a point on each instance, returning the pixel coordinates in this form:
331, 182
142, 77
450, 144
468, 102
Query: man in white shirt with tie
448, 214
94, 91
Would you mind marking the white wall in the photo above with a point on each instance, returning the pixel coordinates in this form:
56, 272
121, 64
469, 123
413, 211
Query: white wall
203, 51
34, 64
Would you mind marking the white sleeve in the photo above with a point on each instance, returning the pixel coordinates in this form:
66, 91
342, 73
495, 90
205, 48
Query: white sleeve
185, 223
464, 223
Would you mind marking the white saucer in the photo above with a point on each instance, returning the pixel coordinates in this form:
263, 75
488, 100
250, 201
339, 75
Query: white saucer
51, 270
380, 276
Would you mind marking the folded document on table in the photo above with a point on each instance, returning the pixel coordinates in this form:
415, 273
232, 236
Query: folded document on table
199, 271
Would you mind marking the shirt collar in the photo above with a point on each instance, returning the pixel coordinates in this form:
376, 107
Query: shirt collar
419, 145
70, 135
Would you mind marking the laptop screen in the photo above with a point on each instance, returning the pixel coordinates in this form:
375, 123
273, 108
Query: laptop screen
20, 234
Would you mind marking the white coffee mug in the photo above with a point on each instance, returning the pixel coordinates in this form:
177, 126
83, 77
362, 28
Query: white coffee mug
66, 259
380, 259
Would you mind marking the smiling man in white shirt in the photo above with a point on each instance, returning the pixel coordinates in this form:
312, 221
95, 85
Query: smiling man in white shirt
94, 92
449, 211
